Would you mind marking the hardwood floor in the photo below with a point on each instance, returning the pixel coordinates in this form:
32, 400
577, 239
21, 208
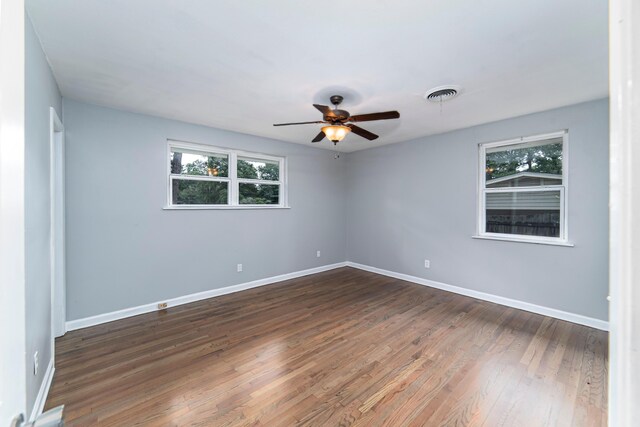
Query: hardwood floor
344, 347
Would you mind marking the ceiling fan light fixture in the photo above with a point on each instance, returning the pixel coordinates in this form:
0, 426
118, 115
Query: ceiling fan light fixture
336, 133
340, 122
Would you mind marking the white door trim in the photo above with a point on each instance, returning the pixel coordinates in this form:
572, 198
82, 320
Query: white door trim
624, 211
57, 235
13, 385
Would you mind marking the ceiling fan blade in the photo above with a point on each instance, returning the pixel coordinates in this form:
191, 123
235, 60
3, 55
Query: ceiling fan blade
326, 111
319, 137
298, 123
362, 132
375, 116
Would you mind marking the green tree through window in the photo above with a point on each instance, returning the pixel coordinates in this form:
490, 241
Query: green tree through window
258, 194
541, 159
192, 192
203, 178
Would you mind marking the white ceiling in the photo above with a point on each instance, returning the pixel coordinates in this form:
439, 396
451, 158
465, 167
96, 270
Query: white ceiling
244, 65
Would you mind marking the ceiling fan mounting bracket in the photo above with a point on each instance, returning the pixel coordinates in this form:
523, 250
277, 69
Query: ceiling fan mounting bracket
336, 99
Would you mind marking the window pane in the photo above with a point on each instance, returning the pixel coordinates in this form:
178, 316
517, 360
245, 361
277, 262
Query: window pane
258, 169
185, 162
531, 213
192, 192
259, 194
525, 165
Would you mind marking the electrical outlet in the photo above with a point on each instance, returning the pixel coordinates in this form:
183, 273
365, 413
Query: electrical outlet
239, 268
427, 263
162, 305
318, 254
36, 363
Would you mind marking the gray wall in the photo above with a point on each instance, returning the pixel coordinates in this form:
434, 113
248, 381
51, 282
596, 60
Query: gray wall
388, 207
41, 93
124, 250
417, 200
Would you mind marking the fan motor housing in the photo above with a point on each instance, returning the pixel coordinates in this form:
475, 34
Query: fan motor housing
338, 115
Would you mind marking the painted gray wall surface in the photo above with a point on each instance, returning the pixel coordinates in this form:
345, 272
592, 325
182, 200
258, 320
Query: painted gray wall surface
124, 250
41, 93
417, 200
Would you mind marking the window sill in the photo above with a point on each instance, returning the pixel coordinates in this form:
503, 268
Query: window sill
221, 208
519, 240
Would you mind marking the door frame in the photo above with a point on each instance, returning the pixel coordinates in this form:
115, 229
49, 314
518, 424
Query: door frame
624, 210
57, 235
13, 367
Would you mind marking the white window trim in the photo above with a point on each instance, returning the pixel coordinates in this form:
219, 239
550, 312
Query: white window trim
232, 179
481, 233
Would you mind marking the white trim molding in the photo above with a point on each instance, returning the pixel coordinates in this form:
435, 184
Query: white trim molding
508, 238
624, 211
13, 305
57, 227
41, 398
172, 302
521, 305
221, 207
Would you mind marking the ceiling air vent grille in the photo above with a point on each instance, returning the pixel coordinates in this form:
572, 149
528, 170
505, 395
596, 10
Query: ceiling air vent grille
442, 93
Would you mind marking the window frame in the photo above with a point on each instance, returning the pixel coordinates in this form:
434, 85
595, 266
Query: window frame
482, 191
233, 192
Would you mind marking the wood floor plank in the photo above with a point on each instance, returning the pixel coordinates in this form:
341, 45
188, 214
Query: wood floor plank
344, 347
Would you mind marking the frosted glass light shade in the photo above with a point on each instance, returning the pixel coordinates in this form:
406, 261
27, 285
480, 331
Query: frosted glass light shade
336, 133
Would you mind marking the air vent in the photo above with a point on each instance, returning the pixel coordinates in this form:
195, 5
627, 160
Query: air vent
442, 93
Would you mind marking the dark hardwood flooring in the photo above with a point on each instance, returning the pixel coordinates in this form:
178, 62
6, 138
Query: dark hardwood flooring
339, 348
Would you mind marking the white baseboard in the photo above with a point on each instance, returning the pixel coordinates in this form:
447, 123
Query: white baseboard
546, 311
147, 308
41, 398
172, 302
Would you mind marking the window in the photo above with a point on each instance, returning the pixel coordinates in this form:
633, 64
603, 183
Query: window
201, 176
258, 181
522, 194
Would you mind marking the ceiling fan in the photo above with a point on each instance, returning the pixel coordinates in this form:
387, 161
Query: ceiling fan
338, 122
